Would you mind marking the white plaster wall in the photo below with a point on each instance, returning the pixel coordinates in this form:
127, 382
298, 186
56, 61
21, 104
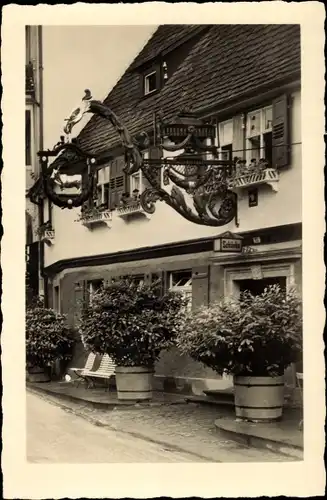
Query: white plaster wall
166, 226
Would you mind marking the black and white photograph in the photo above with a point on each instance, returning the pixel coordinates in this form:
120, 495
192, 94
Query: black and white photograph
164, 285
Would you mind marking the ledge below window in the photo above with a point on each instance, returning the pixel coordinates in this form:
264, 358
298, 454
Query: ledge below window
130, 209
96, 218
269, 176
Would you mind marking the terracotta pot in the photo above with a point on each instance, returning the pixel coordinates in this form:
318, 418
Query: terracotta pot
134, 382
259, 399
38, 374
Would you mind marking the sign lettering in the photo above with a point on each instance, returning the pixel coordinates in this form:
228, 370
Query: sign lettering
228, 245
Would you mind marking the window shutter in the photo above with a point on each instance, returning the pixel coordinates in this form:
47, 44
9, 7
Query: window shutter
155, 153
280, 132
117, 182
200, 286
238, 136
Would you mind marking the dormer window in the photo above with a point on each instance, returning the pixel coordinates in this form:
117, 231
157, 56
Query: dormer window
150, 83
151, 79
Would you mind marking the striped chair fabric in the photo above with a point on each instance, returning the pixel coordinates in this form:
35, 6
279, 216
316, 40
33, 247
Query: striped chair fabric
88, 365
106, 368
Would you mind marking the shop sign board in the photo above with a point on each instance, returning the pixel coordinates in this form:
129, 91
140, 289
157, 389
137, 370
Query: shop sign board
228, 242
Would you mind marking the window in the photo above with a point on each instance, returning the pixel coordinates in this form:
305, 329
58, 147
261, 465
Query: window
103, 187
256, 277
259, 135
137, 279
257, 287
150, 82
28, 137
182, 281
92, 287
225, 138
136, 181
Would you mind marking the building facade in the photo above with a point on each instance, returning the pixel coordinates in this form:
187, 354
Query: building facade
246, 80
33, 144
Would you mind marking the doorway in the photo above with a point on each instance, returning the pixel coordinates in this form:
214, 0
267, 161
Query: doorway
257, 287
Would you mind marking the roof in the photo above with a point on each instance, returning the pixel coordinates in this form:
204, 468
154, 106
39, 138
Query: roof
224, 64
165, 38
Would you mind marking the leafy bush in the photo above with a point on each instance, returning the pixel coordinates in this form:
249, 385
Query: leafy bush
48, 338
132, 323
257, 335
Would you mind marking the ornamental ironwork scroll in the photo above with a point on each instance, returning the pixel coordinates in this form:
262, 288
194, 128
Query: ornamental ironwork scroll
51, 175
195, 182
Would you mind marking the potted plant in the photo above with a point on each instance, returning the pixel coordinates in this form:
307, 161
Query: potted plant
132, 323
48, 339
254, 339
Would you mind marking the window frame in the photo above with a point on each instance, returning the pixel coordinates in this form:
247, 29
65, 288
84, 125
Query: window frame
145, 80
262, 132
223, 143
141, 183
266, 269
102, 184
186, 290
90, 288
29, 109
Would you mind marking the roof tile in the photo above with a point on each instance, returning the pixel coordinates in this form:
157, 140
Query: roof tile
225, 63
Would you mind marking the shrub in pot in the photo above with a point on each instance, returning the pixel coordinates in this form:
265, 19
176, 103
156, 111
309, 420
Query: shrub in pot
254, 339
48, 339
132, 323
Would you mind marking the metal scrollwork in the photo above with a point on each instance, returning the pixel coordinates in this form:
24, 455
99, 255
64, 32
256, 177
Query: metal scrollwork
148, 199
51, 176
207, 199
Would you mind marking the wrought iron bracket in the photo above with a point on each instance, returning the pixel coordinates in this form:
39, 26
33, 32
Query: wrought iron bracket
208, 200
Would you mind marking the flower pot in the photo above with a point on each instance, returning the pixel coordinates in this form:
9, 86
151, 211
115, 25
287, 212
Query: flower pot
259, 399
134, 382
38, 374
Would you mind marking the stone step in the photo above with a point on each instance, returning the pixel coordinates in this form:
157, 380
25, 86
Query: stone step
283, 437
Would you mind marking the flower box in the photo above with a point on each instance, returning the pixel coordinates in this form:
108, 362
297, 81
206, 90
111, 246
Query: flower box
48, 236
245, 180
132, 207
96, 217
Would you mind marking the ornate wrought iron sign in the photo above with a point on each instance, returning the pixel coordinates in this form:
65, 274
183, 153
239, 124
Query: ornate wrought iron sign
195, 182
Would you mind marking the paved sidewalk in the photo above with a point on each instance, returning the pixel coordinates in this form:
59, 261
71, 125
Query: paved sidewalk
189, 427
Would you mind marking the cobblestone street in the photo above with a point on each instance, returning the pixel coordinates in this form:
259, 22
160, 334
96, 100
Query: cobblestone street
184, 427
